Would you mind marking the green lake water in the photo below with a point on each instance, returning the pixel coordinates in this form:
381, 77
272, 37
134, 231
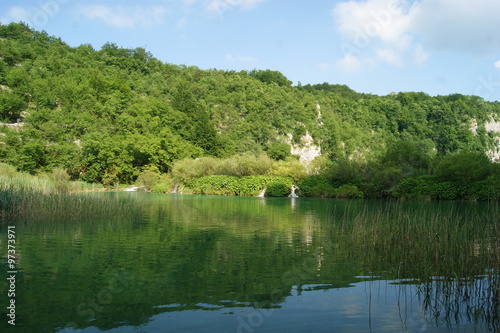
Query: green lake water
237, 264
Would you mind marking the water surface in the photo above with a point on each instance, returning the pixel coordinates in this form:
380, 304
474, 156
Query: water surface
239, 264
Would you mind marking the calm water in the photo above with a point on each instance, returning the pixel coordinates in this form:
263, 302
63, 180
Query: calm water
232, 264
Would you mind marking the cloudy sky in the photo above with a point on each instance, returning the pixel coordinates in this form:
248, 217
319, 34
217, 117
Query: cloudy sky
376, 46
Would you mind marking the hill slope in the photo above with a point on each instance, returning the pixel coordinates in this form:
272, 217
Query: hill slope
105, 115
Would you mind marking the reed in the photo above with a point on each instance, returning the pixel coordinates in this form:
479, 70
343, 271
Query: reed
27, 198
420, 242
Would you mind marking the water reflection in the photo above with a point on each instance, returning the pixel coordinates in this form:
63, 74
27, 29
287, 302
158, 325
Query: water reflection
196, 263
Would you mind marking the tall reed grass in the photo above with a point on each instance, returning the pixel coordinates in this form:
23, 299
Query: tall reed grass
445, 242
27, 198
451, 254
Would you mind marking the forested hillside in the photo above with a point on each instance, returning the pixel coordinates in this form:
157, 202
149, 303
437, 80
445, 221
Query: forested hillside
107, 115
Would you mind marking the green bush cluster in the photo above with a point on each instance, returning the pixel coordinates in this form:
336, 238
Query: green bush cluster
348, 191
430, 187
238, 165
279, 187
316, 186
233, 185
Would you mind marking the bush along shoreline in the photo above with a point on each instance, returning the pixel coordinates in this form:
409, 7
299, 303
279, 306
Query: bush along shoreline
403, 172
395, 175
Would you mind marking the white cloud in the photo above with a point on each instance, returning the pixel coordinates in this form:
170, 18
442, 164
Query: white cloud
350, 64
126, 16
17, 14
465, 26
238, 58
380, 19
324, 67
390, 56
221, 6
420, 55
398, 32
374, 31
497, 64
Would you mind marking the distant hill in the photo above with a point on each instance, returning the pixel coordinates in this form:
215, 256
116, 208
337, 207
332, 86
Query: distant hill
106, 114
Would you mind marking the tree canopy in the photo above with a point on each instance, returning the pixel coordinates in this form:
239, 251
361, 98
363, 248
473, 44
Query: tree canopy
107, 115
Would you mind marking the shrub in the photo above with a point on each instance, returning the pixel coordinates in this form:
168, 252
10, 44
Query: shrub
344, 171
445, 191
289, 168
348, 191
61, 180
487, 189
413, 188
277, 189
188, 168
467, 167
164, 185
245, 165
251, 185
379, 180
279, 151
214, 185
148, 178
315, 186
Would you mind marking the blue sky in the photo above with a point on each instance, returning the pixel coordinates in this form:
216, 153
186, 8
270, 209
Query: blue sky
439, 47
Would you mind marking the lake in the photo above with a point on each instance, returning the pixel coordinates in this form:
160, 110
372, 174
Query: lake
187, 263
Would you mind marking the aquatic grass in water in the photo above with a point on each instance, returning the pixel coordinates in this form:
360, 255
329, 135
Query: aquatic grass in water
447, 243
26, 198
452, 255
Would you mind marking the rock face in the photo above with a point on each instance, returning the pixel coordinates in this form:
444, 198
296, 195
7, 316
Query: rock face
494, 127
307, 151
491, 127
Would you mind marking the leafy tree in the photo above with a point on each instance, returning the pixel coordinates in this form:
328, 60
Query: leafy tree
270, 76
466, 166
279, 151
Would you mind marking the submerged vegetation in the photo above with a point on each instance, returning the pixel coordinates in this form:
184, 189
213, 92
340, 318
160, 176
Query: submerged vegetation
120, 116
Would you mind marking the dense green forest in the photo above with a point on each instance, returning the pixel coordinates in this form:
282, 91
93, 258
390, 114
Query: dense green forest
119, 115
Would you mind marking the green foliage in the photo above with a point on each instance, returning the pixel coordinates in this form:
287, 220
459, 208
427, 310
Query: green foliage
348, 191
61, 180
148, 178
449, 190
487, 190
233, 185
279, 151
269, 76
105, 115
238, 165
215, 185
11, 106
316, 186
344, 171
378, 179
252, 185
277, 189
290, 168
414, 188
467, 167
408, 155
